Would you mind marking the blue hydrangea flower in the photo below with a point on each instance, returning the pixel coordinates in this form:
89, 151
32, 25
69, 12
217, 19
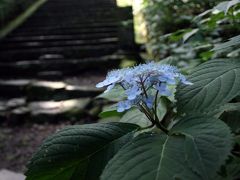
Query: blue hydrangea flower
124, 105
142, 81
112, 78
168, 78
163, 89
184, 80
149, 101
133, 92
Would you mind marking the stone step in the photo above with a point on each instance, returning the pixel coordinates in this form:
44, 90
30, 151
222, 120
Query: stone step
70, 22
103, 2
105, 24
57, 111
69, 31
36, 90
47, 38
79, 5
49, 62
9, 175
67, 52
59, 43
88, 29
89, 12
46, 90
13, 88
43, 111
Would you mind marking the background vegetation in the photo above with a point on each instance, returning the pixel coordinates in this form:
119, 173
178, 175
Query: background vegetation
185, 31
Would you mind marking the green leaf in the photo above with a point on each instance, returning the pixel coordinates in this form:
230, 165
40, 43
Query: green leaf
237, 139
226, 46
226, 5
109, 111
206, 55
232, 119
135, 116
116, 94
229, 107
161, 108
222, 6
72, 153
190, 34
195, 149
215, 83
232, 169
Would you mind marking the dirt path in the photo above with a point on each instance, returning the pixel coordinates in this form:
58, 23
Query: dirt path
17, 144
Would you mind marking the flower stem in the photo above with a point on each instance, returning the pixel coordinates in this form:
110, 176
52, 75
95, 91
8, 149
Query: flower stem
144, 89
147, 113
155, 120
155, 104
160, 126
151, 126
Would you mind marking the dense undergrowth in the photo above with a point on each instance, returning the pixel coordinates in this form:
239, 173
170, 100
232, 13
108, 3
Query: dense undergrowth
168, 126
186, 32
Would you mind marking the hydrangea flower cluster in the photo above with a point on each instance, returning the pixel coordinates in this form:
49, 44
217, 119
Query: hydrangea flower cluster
143, 84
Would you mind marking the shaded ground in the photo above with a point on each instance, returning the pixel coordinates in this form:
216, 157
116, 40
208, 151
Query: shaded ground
17, 144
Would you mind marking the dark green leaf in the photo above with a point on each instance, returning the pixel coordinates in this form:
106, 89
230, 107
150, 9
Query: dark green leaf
226, 46
237, 139
116, 94
232, 119
134, 116
110, 111
206, 55
232, 169
226, 5
215, 83
195, 150
79, 152
189, 34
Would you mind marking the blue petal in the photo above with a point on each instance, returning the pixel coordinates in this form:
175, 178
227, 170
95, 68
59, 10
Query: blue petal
124, 105
163, 89
184, 80
149, 101
168, 78
109, 88
133, 92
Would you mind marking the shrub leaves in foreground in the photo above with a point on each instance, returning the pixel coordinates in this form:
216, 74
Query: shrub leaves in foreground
136, 117
79, 152
214, 84
195, 150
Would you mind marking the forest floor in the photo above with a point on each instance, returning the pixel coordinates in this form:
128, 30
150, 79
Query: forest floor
17, 144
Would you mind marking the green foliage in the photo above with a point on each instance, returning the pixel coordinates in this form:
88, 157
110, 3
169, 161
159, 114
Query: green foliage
214, 84
73, 152
136, 117
109, 111
195, 149
115, 94
232, 43
226, 5
216, 24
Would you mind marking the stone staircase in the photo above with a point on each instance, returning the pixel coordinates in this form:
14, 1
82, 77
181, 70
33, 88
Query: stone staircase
50, 64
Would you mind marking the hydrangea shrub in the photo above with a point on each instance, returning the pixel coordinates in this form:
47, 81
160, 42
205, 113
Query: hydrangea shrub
186, 142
